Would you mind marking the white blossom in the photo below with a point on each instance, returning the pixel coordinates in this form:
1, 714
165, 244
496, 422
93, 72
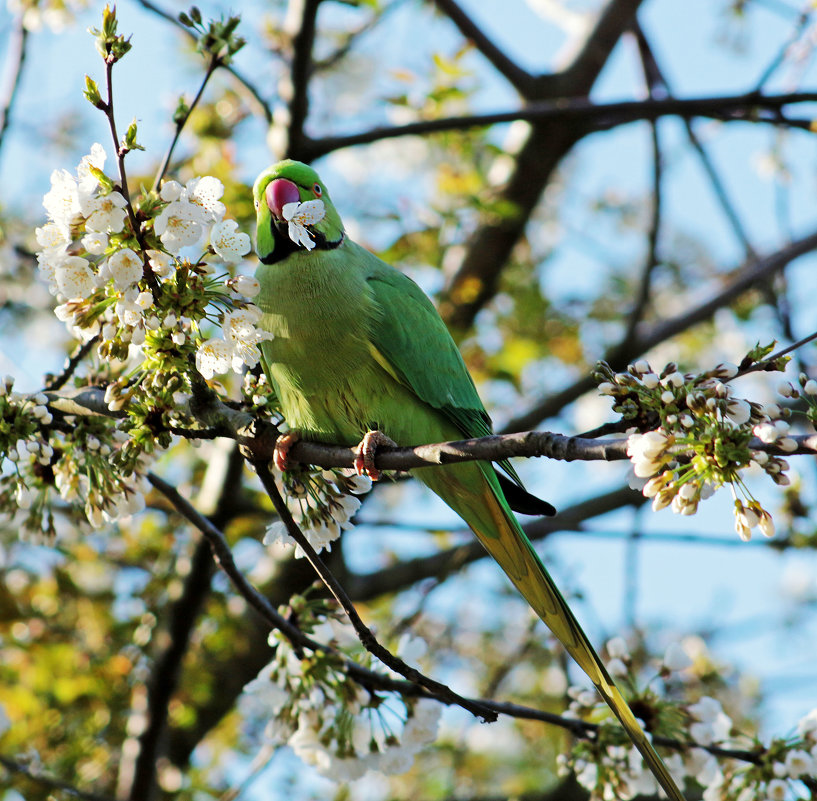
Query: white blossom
170, 191
245, 285
738, 410
298, 216
205, 193
676, 658
213, 356
228, 242
74, 277
87, 182
807, 726
125, 267
421, 727
179, 225
95, 242
104, 212
766, 432
243, 337
160, 263
713, 724
799, 763
777, 790
51, 237
411, 648
62, 201
617, 648
358, 485
616, 667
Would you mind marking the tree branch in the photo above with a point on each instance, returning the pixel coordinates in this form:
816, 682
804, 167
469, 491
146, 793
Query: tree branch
212, 66
593, 117
419, 684
59, 381
364, 633
520, 79
49, 782
16, 60
718, 188
260, 439
391, 579
301, 25
253, 90
747, 277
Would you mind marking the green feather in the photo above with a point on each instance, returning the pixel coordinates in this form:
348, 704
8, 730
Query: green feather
358, 346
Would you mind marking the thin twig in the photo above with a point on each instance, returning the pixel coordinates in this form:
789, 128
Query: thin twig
224, 559
659, 79
364, 633
746, 278
59, 381
800, 26
16, 58
769, 361
651, 259
108, 109
51, 782
212, 66
245, 82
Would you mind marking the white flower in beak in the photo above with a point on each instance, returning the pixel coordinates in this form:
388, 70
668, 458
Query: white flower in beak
298, 216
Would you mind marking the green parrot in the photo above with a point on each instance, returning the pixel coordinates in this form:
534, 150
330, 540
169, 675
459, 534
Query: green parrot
358, 349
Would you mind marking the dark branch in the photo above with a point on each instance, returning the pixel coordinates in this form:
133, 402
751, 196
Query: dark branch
747, 277
659, 80
50, 782
520, 79
592, 116
58, 382
16, 57
212, 66
295, 91
364, 633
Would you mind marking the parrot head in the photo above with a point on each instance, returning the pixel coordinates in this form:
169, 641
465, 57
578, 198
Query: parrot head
293, 212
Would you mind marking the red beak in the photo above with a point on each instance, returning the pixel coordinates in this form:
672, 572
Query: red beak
280, 192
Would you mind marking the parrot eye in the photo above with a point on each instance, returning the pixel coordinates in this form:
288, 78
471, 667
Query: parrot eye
257, 204
316, 188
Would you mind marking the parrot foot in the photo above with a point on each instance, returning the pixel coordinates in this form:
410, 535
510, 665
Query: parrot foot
280, 456
365, 452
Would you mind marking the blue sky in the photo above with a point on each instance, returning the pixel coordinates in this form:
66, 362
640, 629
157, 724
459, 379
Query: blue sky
682, 587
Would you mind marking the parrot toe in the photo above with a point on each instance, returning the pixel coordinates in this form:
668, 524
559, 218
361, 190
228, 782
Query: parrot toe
283, 444
364, 460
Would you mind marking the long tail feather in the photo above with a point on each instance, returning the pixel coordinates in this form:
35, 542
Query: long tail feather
476, 496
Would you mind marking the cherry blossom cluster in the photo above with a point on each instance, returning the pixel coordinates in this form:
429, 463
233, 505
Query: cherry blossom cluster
72, 456
125, 287
308, 701
323, 505
608, 766
698, 438
122, 278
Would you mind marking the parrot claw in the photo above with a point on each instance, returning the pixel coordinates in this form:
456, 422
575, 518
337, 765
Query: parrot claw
365, 452
280, 456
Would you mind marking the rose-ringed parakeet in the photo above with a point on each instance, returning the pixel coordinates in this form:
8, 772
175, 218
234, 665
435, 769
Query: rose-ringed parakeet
357, 348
